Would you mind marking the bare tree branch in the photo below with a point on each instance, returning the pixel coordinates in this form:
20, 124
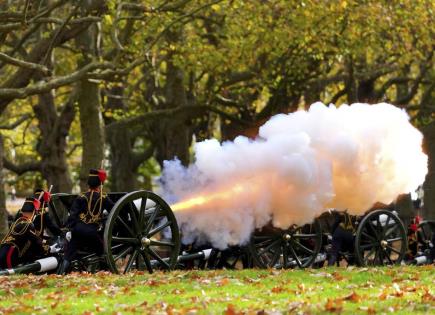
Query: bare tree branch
337, 96
16, 123
24, 64
182, 113
237, 77
23, 76
22, 168
414, 89
72, 150
41, 87
139, 158
61, 27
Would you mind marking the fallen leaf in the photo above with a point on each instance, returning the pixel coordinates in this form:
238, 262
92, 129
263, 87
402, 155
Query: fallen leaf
353, 297
369, 309
277, 289
337, 276
334, 305
427, 296
223, 282
230, 310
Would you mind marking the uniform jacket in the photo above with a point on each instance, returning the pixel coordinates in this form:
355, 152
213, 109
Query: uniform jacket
88, 208
23, 236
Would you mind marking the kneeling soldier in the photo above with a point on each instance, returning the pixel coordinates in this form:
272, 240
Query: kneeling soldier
86, 219
22, 244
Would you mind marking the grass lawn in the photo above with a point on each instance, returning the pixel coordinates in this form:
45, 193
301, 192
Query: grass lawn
398, 290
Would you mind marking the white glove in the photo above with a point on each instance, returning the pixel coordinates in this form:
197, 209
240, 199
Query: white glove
68, 236
54, 248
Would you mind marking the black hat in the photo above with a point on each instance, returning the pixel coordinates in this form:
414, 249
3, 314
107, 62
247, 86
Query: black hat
30, 204
95, 178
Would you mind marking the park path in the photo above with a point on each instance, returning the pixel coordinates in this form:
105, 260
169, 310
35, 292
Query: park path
14, 205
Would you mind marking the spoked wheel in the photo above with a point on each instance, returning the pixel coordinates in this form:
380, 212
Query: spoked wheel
294, 247
380, 239
426, 230
231, 258
141, 233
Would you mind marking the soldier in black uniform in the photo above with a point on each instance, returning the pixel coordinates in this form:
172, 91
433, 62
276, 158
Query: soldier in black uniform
343, 232
86, 219
22, 244
41, 218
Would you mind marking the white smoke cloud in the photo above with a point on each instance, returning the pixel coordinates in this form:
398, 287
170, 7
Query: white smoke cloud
299, 165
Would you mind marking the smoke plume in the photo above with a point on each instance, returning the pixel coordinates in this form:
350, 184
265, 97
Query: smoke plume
299, 165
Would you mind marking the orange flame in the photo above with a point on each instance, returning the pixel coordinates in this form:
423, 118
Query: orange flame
207, 198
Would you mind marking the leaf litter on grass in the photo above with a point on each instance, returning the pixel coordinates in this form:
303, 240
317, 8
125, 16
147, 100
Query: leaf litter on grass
251, 291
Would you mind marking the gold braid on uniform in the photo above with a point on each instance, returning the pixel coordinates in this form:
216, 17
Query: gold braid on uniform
41, 214
347, 224
14, 231
91, 215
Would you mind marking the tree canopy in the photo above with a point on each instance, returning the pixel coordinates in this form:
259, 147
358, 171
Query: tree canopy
134, 82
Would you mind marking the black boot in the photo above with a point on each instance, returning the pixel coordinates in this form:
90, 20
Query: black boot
64, 267
332, 259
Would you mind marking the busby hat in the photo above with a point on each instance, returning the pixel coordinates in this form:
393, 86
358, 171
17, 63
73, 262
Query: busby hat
96, 178
31, 204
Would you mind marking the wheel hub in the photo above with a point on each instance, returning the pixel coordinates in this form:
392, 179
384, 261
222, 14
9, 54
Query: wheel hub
287, 236
384, 244
145, 241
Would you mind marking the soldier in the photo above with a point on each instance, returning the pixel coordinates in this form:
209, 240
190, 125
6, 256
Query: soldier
86, 219
343, 232
41, 218
22, 244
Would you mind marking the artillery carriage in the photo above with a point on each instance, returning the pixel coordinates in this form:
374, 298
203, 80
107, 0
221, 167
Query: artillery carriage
141, 233
379, 238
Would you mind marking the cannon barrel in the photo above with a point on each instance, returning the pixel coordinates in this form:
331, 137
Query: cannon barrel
40, 265
204, 254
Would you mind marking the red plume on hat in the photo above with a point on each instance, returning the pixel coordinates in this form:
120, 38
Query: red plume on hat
102, 175
46, 196
36, 204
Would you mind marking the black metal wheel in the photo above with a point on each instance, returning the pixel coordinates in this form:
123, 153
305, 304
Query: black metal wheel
380, 239
141, 233
235, 257
297, 246
426, 230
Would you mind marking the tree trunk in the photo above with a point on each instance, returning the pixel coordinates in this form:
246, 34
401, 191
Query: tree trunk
173, 138
54, 129
91, 121
429, 184
366, 91
3, 211
91, 125
123, 177
350, 82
